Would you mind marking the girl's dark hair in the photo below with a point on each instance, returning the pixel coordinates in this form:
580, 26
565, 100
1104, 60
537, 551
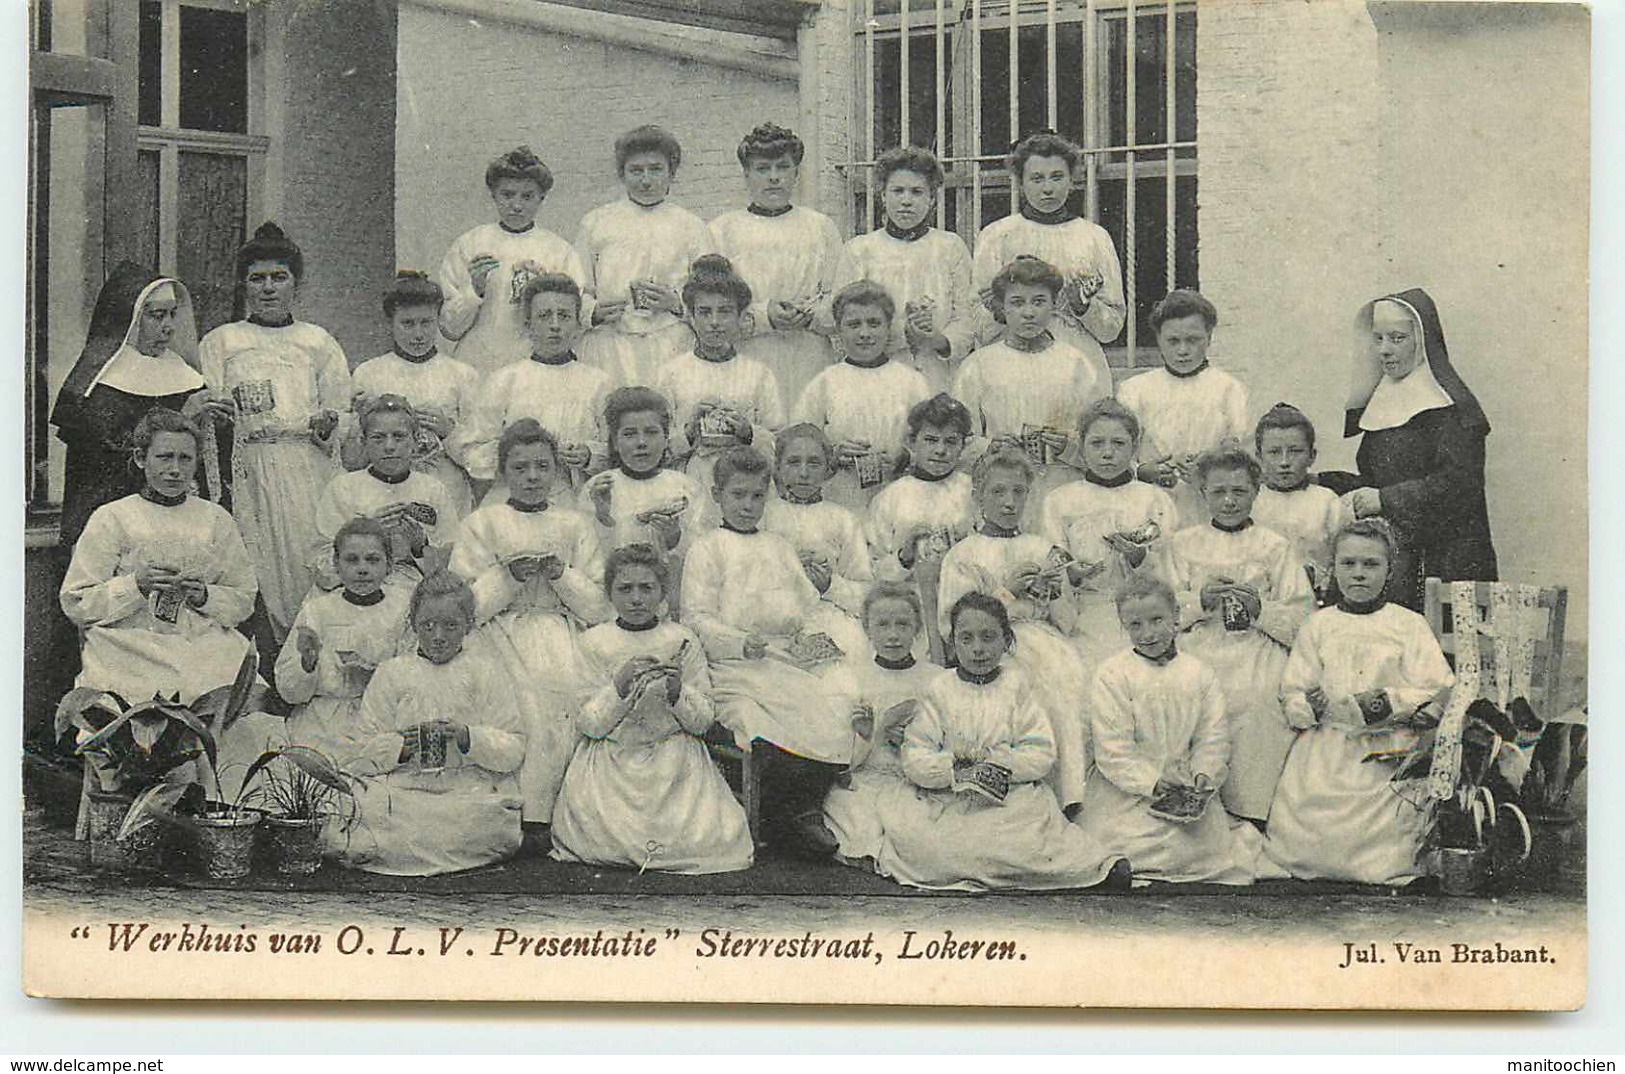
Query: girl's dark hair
1145, 585
548, 283
519, 163
524, 431
648, 139
1042, 144
1376, 529
412, 288
1284, 416
361, 527
902, 591
803, 431
388, 403
163, 420
270, 243
633, 400
1028, 271
742, 459
1184, 303
863, 293
1227, 458
769, 141
909, 158
941, 410
442, 584
713, 274
1109, 409
638, 554
982, 602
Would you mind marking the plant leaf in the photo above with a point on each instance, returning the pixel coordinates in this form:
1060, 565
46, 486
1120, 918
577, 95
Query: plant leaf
101, 737
241, 689
318, 766
158, 802
71, 710
146, 729
188, 719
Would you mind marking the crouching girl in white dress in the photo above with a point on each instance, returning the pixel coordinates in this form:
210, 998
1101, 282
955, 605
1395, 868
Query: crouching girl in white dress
642, 790
978, 750
1362, 664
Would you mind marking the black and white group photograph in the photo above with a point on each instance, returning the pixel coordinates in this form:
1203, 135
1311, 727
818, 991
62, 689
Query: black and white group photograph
807, 501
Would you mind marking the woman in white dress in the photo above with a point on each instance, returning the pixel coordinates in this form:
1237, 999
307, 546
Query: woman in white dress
1044, 167
287, 382
1359, 681
636, 252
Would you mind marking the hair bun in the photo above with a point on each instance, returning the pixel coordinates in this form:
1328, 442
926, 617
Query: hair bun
522, 156
410, 274
270, 232
711, 265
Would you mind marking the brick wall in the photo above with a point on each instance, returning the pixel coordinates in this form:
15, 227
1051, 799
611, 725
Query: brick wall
470, 90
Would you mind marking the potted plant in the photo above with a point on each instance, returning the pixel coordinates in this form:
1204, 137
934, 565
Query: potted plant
161, 756
1548, 787
128, 750
300, 798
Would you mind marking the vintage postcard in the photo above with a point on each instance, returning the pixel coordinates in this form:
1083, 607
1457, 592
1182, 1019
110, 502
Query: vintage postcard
961, 502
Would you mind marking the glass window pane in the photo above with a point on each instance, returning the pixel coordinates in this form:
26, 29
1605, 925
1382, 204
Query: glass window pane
145, 206
150, 64
1151, 281
210, 209
64, 26
1150, 76
214, 70
922, 89
65, 262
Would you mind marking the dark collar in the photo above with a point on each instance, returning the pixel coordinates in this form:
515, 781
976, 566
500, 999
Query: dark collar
624, 625
884, 358
386, 479
993, 529
735, 529
1021, 346
1299, 487
975, 679
1361, 607
895, 665
517, 231
1198, 371
1222, 528
376, 596
425, 657
1163, 660
920, 475
718, 359
416, 359
790, 498
757, 210
528, 508
254, 318
628, 474
1063, 215
564, 359
152, 495
913, 234
646, 208
1109, 482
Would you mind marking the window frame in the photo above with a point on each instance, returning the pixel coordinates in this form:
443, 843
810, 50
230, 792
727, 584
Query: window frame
970, 177
169, 139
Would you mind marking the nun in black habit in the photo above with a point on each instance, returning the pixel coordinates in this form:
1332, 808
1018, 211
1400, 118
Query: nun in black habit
1421, 455
141, 352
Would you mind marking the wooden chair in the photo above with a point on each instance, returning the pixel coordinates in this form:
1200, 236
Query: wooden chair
748, 788
1546, 674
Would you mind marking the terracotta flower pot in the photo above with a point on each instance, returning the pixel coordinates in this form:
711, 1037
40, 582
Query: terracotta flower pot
1463, 871
295, 844
225, 843
106, 815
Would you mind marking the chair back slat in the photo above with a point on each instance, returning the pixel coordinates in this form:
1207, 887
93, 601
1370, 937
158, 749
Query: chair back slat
1546, 677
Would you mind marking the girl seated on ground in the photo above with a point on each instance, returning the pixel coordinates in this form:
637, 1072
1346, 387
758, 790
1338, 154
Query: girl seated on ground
439, 731
1160, 751
1358, 675
641, 790
883, 693
978, 750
